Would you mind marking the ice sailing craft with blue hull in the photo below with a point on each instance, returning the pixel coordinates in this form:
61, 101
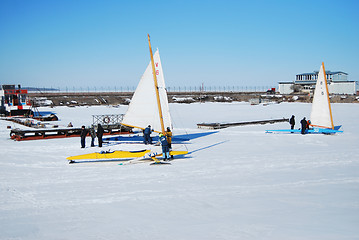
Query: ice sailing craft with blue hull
311, 130
321, 119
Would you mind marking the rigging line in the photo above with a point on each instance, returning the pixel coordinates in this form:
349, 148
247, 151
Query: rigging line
175, 123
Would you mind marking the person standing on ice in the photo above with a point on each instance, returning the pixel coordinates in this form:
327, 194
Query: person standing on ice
99, 134
292, 122
83, 135
93, 136
147, 135
165, 146
304, 124
308, 124
169, 139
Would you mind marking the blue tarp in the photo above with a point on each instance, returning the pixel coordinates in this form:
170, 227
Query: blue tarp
175, 139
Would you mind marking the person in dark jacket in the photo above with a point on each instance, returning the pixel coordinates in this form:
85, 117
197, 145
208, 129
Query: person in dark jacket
99, 134
304, 124
83, 135
93, 136
147, 135
165, 146
292, 122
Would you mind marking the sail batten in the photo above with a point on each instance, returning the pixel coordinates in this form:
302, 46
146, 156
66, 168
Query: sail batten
321, 114
143, 109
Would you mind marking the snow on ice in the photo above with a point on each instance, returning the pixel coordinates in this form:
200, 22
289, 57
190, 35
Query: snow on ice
238, 183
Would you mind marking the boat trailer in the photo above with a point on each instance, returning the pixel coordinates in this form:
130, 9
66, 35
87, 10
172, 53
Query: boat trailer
37, 134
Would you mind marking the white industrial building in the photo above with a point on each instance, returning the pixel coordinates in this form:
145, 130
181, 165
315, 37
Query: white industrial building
337, 83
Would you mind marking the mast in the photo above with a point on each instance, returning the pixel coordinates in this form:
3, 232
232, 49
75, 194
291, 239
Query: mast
156, 86
326, 87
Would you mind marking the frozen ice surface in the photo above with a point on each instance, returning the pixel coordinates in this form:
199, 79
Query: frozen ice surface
239, 183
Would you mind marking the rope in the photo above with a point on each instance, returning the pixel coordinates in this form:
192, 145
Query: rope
175, 123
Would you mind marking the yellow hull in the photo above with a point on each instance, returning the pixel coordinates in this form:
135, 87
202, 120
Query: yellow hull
174, 153
120, 155
110, 155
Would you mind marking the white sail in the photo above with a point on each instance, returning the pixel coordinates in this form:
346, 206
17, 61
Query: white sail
321, 115
143, 109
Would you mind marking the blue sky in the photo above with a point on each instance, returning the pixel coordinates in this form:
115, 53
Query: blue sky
86, 43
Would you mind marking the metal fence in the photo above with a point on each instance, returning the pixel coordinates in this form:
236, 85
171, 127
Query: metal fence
169, 89
106, 120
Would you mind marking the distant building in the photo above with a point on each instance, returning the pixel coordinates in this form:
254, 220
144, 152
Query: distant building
305, 82
14, 101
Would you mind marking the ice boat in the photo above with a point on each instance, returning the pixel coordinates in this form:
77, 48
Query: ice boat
321, 118
149, 103
149, 106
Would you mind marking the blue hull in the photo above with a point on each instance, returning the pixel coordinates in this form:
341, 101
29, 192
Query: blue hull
311, 130
175, 139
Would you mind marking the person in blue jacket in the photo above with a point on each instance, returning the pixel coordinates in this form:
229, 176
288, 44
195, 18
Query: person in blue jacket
147, 135
165, 146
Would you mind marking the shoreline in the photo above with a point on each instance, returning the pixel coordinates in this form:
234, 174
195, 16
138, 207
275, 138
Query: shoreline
123, 98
